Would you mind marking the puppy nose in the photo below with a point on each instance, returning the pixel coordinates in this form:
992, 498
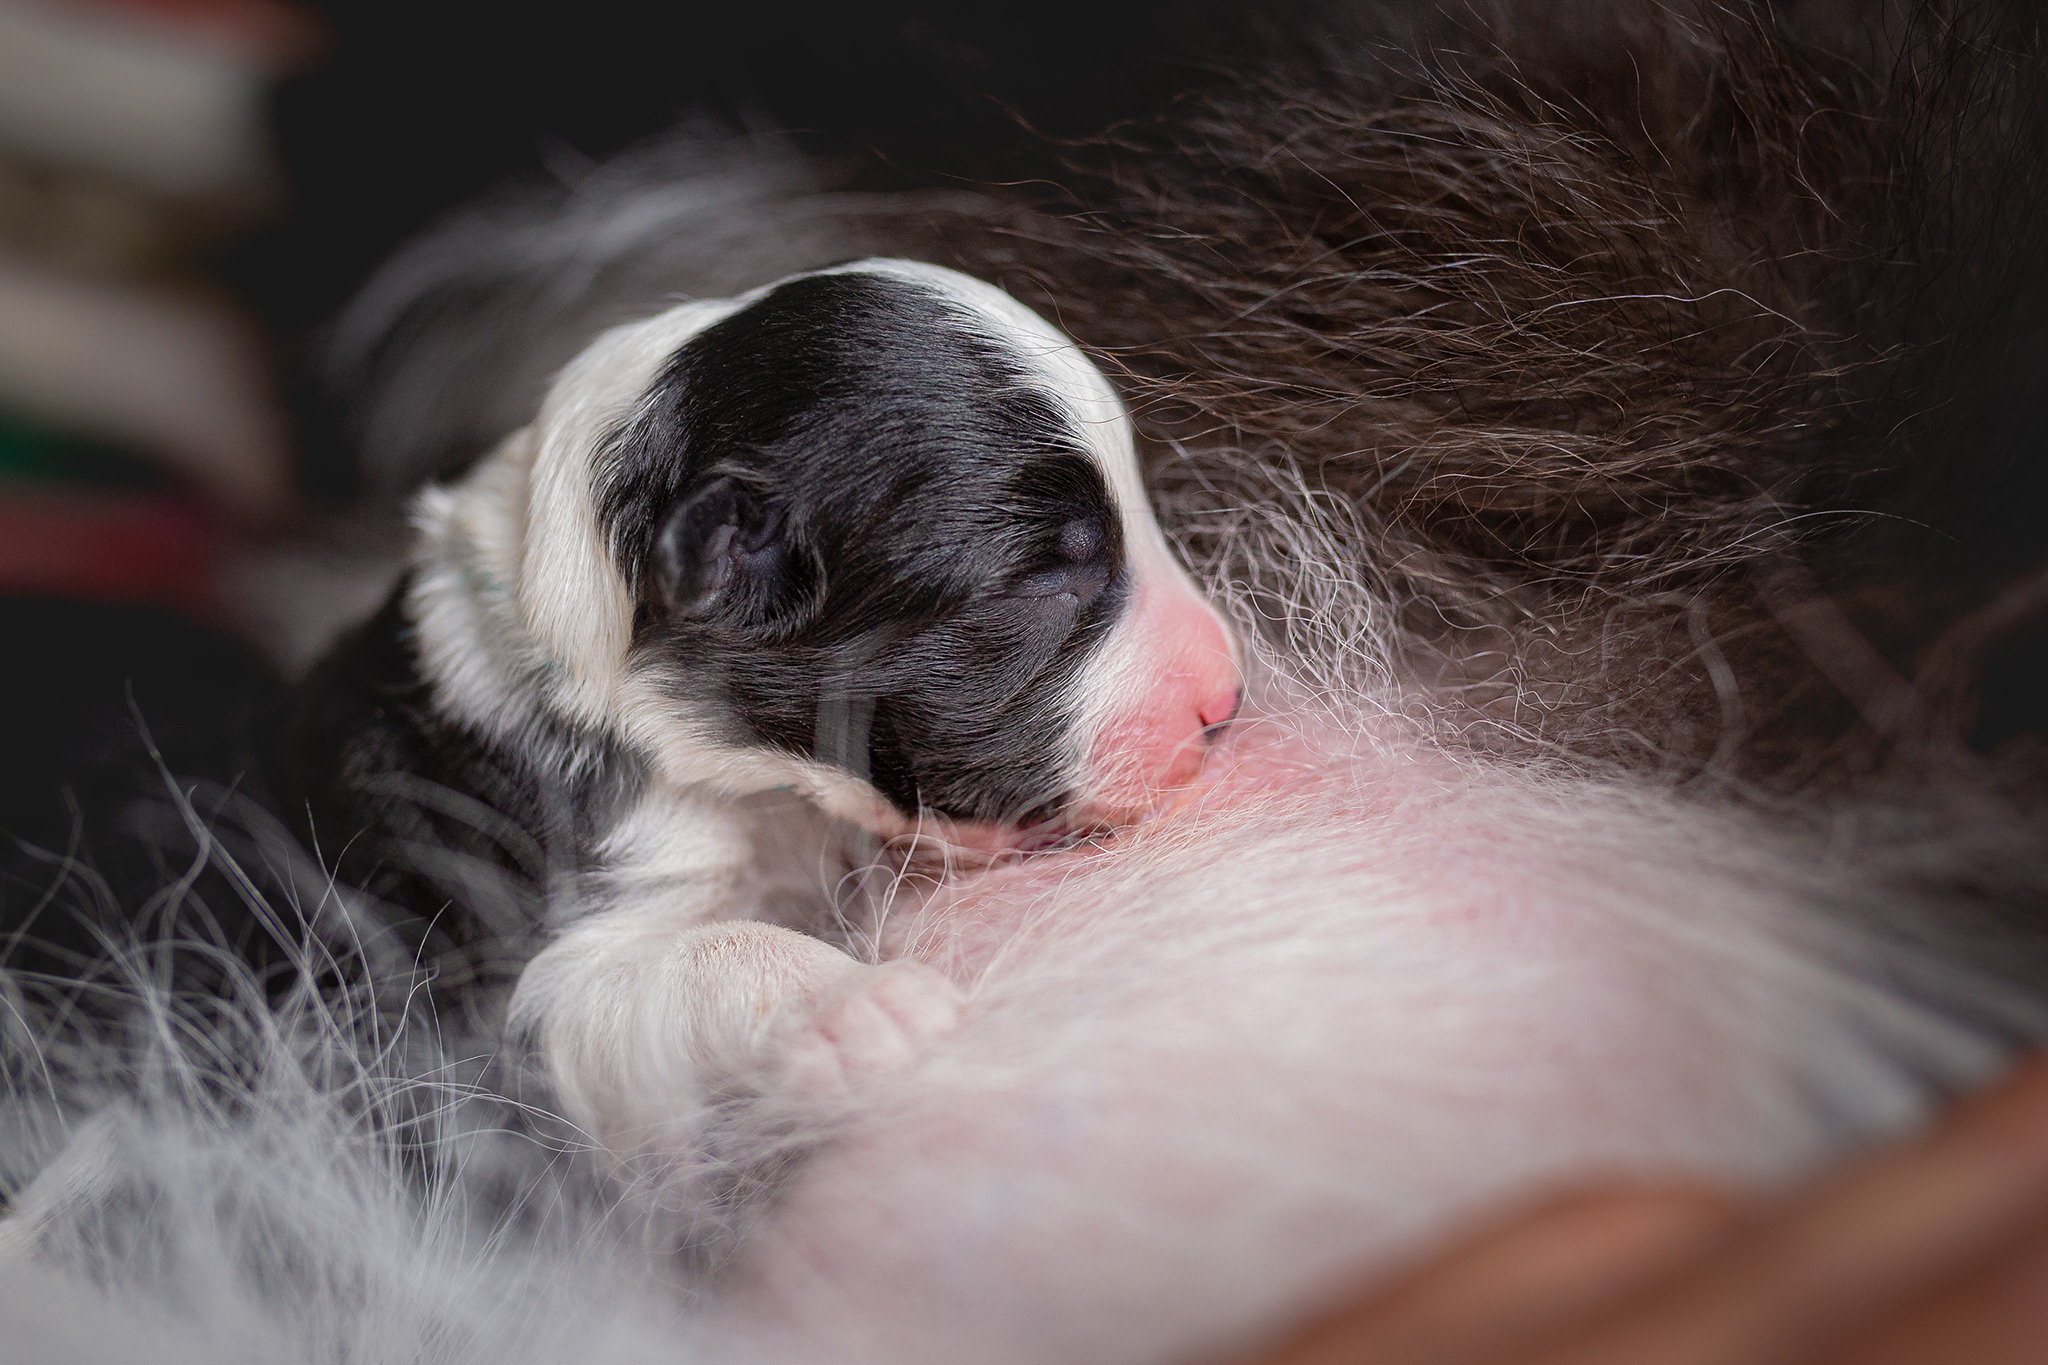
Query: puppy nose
1219, 711
1207, 669
1177, 684
1210, 689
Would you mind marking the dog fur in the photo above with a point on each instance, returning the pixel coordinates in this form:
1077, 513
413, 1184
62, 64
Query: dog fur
1625, 784
868, 548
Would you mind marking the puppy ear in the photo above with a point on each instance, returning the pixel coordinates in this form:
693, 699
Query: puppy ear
720, 554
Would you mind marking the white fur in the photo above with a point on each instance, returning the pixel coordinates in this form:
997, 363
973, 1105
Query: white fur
1188, 1094
1210, 1077
517, 596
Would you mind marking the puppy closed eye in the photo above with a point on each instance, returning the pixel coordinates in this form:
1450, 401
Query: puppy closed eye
1083, 569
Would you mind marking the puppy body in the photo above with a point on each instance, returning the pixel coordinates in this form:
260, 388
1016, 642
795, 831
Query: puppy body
609, 676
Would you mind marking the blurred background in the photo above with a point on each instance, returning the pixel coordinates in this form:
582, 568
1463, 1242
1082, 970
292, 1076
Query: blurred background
191, 189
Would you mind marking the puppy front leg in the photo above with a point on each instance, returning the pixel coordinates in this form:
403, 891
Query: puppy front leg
641, 1016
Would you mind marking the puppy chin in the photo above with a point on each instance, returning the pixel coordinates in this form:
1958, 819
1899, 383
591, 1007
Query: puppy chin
968, 844
939, 844
927, 840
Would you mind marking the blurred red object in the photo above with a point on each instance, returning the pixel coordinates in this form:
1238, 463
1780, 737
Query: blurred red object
142, 548
274, 34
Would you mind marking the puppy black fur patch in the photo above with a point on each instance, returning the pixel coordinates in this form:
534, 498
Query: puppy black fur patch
856, 529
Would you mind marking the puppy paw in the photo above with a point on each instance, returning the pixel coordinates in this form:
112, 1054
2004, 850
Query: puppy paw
882, 1020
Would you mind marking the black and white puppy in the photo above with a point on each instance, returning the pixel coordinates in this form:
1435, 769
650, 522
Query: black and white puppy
868, 544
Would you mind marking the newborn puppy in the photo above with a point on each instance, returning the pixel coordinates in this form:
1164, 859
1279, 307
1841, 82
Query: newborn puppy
872, 539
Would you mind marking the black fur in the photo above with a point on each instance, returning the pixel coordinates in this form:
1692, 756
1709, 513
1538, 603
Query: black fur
858, 531
456, 831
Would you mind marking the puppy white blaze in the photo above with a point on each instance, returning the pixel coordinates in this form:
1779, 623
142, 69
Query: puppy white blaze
572, 599
1169, 672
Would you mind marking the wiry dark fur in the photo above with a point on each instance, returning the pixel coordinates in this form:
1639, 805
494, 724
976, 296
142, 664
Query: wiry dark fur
1574, 338
1594, 355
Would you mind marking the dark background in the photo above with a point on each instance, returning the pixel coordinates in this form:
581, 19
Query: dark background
417, 108
405, 111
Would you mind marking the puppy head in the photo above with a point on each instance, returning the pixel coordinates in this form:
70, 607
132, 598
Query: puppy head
875, 531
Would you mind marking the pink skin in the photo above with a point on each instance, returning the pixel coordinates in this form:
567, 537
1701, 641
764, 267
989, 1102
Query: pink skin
1177, 664
1172, 681
1169, 1153
1163, 1180
959, 923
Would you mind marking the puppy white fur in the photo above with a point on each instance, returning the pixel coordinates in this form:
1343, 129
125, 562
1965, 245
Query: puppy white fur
661, 985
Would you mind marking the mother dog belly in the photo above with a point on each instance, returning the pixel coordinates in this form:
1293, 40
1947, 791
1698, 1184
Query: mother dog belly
1328, 1005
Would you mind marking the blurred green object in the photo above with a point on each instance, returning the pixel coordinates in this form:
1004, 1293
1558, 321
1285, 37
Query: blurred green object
33, 453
